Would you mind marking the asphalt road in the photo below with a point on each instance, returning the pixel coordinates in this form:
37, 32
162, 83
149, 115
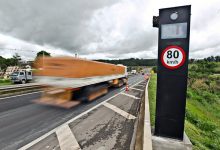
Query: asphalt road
22, 121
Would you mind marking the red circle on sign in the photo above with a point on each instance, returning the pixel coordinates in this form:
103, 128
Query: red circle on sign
177, 66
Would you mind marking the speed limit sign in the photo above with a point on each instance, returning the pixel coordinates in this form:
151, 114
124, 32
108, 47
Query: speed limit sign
173, 57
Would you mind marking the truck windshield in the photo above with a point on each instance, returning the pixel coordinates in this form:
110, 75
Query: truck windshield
14, 73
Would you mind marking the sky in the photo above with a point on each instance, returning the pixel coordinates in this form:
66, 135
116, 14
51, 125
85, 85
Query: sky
100, 29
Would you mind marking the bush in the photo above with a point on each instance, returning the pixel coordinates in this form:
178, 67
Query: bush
206, 125
209, 97
189, 94
154, 69
199, 84
191, 117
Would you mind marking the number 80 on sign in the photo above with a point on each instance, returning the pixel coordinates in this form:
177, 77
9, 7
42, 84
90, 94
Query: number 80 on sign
173, 57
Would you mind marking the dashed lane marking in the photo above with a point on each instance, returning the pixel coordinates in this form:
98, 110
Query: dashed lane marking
141, 85
67, 140
136, 89
122, 89
119, 111
71, 120
129, 95
66, 123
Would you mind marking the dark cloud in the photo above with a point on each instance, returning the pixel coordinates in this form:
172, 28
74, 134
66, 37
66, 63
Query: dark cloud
62, 24
101, 28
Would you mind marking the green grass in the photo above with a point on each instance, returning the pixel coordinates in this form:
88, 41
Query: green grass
5, 82
152, 97
202, 123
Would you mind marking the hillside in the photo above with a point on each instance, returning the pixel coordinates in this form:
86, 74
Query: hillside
202, 123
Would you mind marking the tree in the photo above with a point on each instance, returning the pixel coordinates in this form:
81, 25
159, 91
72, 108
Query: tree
16, 59
3, 65
217, 58
132, 62
43, 53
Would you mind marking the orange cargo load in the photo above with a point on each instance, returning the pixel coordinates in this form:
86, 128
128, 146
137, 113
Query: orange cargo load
75, 68
75, 72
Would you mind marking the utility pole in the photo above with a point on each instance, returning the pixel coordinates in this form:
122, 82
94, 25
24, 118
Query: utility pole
76, 55
43, 59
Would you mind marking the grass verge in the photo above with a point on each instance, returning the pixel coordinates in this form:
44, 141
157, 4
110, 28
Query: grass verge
202, 123
5, 82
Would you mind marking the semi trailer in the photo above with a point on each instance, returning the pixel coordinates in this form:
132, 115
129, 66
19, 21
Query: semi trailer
71, 81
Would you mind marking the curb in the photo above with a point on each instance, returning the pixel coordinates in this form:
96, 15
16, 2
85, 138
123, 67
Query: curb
143, 139
147, 140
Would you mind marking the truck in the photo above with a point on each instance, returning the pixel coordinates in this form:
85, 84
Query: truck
133, 71
21, 76
71, 81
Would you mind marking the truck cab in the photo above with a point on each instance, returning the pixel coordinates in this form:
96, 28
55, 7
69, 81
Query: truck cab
21, 76
133, 71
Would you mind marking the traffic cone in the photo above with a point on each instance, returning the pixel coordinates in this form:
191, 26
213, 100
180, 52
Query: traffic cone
126, 88
146, 77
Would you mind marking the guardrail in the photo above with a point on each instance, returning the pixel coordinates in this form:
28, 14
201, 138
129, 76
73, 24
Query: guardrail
18, 89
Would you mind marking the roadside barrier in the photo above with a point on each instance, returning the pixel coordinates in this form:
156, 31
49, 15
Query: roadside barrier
18, 89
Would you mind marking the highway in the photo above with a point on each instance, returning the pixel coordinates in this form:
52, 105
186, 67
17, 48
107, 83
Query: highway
22, 121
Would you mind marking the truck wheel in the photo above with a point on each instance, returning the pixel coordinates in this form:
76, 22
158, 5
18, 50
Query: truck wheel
86, 91
23, 81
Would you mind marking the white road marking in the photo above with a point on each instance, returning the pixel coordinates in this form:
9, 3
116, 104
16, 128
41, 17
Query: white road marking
20, 95
141, 85
119, 111
67, 140
125, 87
122, 89
136, 89
130, 84
129, 95
69, 121
66, 123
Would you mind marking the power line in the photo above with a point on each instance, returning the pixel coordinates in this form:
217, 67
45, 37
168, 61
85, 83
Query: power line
14, 49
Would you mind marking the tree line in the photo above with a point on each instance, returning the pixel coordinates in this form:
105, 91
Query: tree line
208, 59
16, 60
131, 62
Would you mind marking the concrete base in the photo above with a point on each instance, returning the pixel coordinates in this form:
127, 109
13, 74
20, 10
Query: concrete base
162, 143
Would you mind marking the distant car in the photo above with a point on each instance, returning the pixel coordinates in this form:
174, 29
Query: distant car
21, 77
133, 71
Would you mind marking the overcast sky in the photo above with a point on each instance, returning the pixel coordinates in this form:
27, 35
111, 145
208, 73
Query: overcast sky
100, 29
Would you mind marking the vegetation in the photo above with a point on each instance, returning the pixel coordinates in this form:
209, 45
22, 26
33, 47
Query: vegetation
202, 123
154, 69
152, 97
14, 61
203, 105
42, 53
5, 82
132, 62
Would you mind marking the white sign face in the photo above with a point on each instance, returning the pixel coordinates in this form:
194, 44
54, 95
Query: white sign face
173, 31
173, 57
